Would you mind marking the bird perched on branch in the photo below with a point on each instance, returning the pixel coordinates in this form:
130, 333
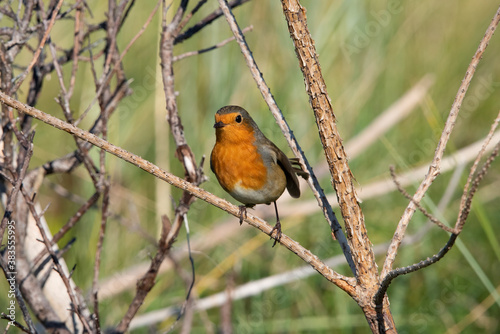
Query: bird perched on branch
248, 165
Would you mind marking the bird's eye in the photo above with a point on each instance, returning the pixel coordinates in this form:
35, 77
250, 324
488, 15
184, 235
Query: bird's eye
238, 119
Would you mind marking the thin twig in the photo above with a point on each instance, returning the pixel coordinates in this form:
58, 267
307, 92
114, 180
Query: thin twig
97, 258
464, 213
465, 195
115, 67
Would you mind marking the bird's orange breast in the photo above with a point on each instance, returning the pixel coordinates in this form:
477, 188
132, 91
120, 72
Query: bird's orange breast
236, 160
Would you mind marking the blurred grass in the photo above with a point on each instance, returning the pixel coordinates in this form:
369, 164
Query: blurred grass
419, 38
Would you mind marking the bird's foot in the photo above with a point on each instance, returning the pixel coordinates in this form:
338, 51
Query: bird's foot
277, 237
242, 213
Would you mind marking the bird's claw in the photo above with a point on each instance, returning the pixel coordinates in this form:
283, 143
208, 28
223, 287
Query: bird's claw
242, 213
277, 237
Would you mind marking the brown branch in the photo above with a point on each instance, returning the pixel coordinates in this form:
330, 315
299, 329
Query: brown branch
347, 284
188, 17
342, 179
97, 258
13, 195
77, 45
435, 166
466, 195
23, 279
464, 213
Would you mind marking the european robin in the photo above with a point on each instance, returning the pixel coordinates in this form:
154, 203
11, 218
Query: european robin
248, 165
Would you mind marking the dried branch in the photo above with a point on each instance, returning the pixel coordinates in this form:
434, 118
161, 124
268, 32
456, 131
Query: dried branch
97, 258
347, 284
13, 194
464, 213
342, 179
435, 166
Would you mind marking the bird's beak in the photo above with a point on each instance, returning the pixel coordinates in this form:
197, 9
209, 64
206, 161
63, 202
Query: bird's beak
219, 125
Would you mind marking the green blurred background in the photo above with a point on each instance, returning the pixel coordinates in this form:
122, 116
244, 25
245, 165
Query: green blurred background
371, 53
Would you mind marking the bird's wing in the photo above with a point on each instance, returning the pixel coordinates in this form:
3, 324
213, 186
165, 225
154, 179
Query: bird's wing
292, 183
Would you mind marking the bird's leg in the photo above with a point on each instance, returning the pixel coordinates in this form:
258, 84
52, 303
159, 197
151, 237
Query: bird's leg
242, 213
276, 227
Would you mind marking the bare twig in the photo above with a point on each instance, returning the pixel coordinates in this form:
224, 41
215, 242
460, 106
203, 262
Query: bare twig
435, 166
464, 213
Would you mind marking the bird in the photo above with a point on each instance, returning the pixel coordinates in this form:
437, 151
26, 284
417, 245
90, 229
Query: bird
250, 167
